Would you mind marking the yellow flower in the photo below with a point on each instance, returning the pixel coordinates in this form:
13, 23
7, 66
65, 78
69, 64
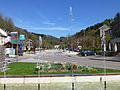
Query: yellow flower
94, 69
51, 61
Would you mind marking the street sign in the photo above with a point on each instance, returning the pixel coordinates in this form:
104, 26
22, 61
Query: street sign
14, 37
22, 37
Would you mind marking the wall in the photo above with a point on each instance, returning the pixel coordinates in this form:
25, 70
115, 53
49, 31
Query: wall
2, 57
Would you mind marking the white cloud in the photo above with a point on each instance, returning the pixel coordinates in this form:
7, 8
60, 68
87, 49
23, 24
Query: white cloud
49, 28
45, 19
49, 23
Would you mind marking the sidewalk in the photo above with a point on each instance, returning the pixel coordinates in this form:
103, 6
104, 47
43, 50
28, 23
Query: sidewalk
19, 58
110, 58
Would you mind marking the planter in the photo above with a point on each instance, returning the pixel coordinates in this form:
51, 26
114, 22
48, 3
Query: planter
118, 54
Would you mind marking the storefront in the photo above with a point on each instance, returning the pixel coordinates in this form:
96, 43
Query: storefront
115, 45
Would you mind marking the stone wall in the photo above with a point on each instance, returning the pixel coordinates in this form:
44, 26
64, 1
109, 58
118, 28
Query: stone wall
2, 57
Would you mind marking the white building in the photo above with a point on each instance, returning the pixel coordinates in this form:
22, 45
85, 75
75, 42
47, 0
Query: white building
4, 37
56, 46
103, 30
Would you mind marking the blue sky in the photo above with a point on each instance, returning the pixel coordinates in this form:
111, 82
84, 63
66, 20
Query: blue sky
52, 17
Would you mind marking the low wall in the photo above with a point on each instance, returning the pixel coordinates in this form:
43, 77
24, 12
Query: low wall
59, 79
2, 57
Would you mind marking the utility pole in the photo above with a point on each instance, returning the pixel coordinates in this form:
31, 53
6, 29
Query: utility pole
71, 20
40, 42
104, 45
17, 47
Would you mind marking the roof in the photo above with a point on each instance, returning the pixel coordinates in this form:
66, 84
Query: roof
115, 40
104, 27
3, 33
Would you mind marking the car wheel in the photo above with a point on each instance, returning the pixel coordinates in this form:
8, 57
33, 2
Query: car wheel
85, 54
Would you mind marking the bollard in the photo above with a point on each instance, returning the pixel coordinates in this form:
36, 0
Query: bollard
100, 79
4, 87
72, 86
105, 85
38, 86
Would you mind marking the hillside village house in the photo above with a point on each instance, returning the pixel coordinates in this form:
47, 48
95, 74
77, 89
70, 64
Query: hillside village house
4, 37
27, 44
5, 40
102, 31
114, 31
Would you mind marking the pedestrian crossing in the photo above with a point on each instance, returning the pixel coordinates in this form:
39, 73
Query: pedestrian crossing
51, 54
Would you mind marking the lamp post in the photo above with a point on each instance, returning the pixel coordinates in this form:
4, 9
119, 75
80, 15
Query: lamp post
104, 45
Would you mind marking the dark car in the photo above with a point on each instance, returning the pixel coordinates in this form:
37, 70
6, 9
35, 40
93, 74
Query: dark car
76, 50
88, 52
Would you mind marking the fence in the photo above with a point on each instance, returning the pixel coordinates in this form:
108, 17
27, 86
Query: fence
2, 58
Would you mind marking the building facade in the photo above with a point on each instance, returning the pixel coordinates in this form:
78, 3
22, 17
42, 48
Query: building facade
4, 37
114, 32
103, 31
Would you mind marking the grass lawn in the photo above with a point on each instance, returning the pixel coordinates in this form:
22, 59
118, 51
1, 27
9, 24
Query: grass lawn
21, 68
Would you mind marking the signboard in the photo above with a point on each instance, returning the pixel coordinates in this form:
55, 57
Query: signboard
10, 52
22, 37
14, 37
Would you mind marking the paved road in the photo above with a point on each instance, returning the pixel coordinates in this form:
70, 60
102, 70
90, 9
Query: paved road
59, 56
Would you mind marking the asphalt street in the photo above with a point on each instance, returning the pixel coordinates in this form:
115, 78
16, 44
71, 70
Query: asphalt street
60, 56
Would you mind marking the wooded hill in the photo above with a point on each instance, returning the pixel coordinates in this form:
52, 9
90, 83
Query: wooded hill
8, 25
89, 37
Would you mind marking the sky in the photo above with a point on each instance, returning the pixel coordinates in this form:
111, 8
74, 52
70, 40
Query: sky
53, 17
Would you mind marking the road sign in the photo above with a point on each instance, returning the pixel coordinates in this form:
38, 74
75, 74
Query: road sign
22, 37
14, 37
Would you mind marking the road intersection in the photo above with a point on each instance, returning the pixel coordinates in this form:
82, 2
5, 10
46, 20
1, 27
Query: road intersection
60, 56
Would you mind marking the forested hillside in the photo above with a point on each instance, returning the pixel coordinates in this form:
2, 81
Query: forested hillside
89, 37
8, 25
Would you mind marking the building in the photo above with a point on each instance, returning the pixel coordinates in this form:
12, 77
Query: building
116, 26
56, 46
103, 30
4, 37
115, 33
27, 44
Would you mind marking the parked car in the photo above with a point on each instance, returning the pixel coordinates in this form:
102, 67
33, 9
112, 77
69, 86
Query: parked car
88, 52
71, 49
76, 50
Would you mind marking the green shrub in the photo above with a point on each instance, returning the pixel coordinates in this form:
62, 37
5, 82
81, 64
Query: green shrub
110, 53
100, 52
67, 65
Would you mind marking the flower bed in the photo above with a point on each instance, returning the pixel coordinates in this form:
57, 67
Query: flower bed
63, 67
25, 68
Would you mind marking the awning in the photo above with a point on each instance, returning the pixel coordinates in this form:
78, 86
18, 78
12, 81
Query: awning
116, 40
